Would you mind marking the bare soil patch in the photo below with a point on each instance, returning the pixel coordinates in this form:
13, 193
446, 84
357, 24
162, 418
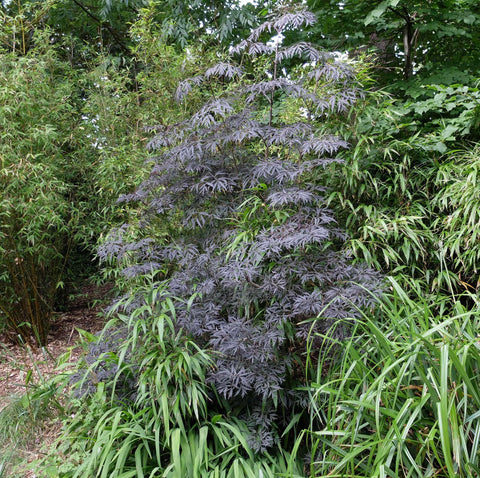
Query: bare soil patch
19, 363
16, 361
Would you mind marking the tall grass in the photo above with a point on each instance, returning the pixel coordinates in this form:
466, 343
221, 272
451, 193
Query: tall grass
170, 428
403, 400
400, 399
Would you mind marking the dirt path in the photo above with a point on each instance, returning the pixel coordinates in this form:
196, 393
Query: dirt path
17, 363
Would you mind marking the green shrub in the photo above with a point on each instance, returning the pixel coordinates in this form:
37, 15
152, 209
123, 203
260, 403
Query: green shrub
72, 141
407, 190
457, 226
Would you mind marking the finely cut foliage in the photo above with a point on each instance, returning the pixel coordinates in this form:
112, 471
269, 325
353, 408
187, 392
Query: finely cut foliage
253, 268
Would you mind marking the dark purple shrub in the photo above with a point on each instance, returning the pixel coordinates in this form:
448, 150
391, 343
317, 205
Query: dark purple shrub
252, 258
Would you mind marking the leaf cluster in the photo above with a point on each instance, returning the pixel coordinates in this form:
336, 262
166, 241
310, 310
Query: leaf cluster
400, 186
168, 427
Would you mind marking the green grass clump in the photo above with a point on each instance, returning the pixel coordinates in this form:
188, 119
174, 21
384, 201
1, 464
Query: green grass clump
26, 419
170, 428
404, 400
23, 422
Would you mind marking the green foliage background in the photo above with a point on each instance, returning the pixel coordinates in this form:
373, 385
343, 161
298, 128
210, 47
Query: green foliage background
399, 398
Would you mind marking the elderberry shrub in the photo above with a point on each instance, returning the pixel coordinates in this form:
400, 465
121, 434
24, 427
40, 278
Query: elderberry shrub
101, 365
254, 266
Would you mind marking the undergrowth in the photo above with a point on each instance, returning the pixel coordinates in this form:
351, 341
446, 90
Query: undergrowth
25, 419
403, 398
171, 428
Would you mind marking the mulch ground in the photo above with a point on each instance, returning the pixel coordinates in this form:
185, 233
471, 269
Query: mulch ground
19, 363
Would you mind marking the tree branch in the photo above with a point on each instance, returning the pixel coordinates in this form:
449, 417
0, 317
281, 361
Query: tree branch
102, 23
410, 36
405, 16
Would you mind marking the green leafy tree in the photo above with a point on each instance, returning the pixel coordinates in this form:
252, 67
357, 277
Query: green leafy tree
72, 142
410, 37
391, 191
104, 24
